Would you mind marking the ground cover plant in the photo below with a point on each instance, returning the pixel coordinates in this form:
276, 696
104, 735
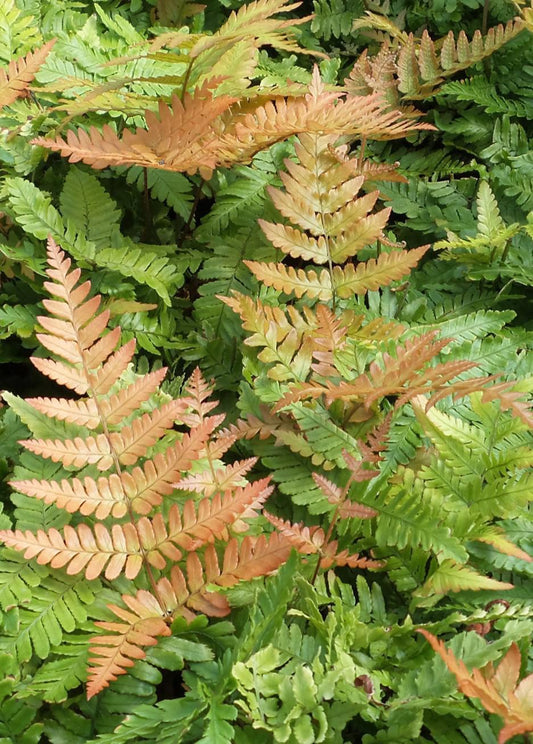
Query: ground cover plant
265, 291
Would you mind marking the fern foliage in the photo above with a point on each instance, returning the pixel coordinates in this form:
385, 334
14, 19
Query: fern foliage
356, 280
138, 477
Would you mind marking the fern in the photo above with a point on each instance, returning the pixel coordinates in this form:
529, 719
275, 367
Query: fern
497, 689
14, 81
333, 18
419, 66
91, 365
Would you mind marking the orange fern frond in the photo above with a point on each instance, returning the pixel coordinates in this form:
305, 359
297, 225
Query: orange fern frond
202, 133
509, 400
114, 654
313, 540
418, 66
331, 223
293, 281
209, 519
82, 549
123, 437
100, 497
254, 24
498, 690
197, 394
145, 486
208, 482
184, 593
320, 112
183, 138
14, 80
402, 375
375, 273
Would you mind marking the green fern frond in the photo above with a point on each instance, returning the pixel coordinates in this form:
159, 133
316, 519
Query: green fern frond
480, 91
19, 31
85, 204
59, 604
334, 18
174, 189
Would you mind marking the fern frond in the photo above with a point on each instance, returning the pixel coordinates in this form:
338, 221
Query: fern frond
255, 20
498, 690
82, 549
102, 497
196, 135
452, 577
208, 482
289, 280
284, 339
419, 66
14, 80
77, 452
375, 273
146, 485
114, 654
185, 593
400, 375
183, 138
312, 540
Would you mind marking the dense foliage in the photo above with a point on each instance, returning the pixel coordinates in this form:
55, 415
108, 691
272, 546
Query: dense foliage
265, 308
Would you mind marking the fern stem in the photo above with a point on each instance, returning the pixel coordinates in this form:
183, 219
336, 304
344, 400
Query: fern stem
185, 230
324, 229
186, 81
485, 20
148, 221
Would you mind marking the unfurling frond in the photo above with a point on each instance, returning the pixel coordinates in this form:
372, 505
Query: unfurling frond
498, 690
15, 79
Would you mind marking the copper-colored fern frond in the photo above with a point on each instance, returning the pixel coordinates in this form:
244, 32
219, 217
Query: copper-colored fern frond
113, 654
320, 112
331, 223
415, 68
499, 690
509, 400
286, 341
185, 593
197, 524
313, 540
201, 132
208, 482
330, 336
122, 549
184, 138
14, 80
131, 422
402, 375
254, 24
